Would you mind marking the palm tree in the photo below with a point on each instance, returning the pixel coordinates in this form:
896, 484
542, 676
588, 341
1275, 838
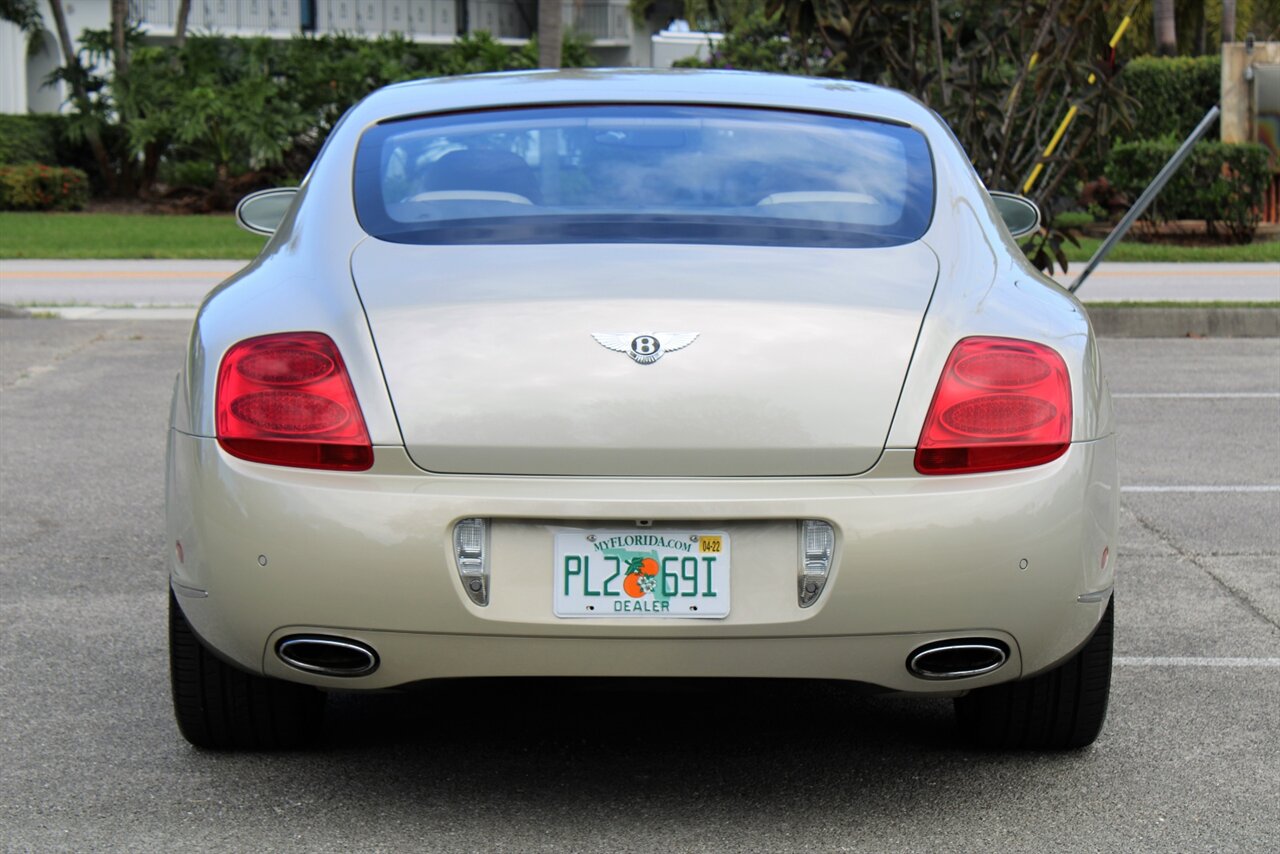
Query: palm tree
180, 28
550, 31
75, 75
1166, 29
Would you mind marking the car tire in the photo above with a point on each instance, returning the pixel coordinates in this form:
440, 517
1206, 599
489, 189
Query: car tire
1060, 709
221, 707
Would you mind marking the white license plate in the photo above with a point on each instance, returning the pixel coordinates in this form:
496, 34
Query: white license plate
640, 573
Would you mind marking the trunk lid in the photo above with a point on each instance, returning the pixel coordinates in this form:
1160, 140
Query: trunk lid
492, 361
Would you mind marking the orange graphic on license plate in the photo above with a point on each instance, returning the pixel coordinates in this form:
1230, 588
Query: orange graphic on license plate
641, 577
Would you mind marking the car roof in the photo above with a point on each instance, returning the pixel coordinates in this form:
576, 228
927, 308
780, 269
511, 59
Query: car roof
637, 85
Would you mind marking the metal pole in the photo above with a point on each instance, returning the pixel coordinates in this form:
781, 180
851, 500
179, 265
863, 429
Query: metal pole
1148, 195
1071, 113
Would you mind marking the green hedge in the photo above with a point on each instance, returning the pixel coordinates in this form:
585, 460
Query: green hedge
1220, 183
760, 42
1172, 94
31, 138
255, 106
43, 138
36, 187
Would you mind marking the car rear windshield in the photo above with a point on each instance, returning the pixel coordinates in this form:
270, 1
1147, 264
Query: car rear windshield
644, 174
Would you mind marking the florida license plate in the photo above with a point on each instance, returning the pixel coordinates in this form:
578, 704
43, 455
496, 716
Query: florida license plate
641, 573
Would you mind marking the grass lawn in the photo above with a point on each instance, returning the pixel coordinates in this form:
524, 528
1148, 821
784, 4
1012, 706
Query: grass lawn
1132, 251
120, 235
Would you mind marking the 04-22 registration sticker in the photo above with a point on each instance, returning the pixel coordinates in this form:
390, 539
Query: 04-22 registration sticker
641, 573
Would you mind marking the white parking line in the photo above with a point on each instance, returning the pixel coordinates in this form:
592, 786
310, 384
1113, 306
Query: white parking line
95, 312
1188, 661
1200, 395
1269, 487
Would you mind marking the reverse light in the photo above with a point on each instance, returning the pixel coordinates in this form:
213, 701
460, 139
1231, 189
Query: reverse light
1001, 404
287, 400
817, 545
469, 542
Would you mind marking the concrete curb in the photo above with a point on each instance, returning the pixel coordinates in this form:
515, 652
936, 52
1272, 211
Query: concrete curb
1185, 322
1108, 322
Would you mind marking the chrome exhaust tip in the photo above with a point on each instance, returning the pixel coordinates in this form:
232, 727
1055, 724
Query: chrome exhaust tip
957, 659
327, 656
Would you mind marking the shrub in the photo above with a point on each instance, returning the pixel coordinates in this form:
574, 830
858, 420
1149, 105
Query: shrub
1220, 183
1172, 94
760, 42
28, 139
34, 138
43, 138
188, 173
252, 105
1072, 219
36, 187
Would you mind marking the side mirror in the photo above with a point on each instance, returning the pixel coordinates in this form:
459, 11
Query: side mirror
261, 212
1019, 213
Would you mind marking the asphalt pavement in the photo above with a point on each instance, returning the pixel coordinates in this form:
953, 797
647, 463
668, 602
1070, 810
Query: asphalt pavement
90, 758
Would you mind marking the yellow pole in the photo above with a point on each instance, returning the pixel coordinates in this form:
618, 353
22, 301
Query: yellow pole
1124, 25
1050, 148
1115, 40
1071, 113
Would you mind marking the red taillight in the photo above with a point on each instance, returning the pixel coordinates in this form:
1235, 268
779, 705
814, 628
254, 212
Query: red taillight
287, 400
1001, 404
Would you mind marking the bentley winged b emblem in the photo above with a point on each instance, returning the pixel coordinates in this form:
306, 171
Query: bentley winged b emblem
645, 347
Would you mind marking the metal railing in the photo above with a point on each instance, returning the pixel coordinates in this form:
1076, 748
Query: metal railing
266, 17
606, 21
375, 17
602, 20
503, 19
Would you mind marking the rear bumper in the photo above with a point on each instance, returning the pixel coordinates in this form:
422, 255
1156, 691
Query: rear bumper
270, 552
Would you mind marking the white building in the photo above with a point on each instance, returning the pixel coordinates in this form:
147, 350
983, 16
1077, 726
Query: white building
26, 63
616, 41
